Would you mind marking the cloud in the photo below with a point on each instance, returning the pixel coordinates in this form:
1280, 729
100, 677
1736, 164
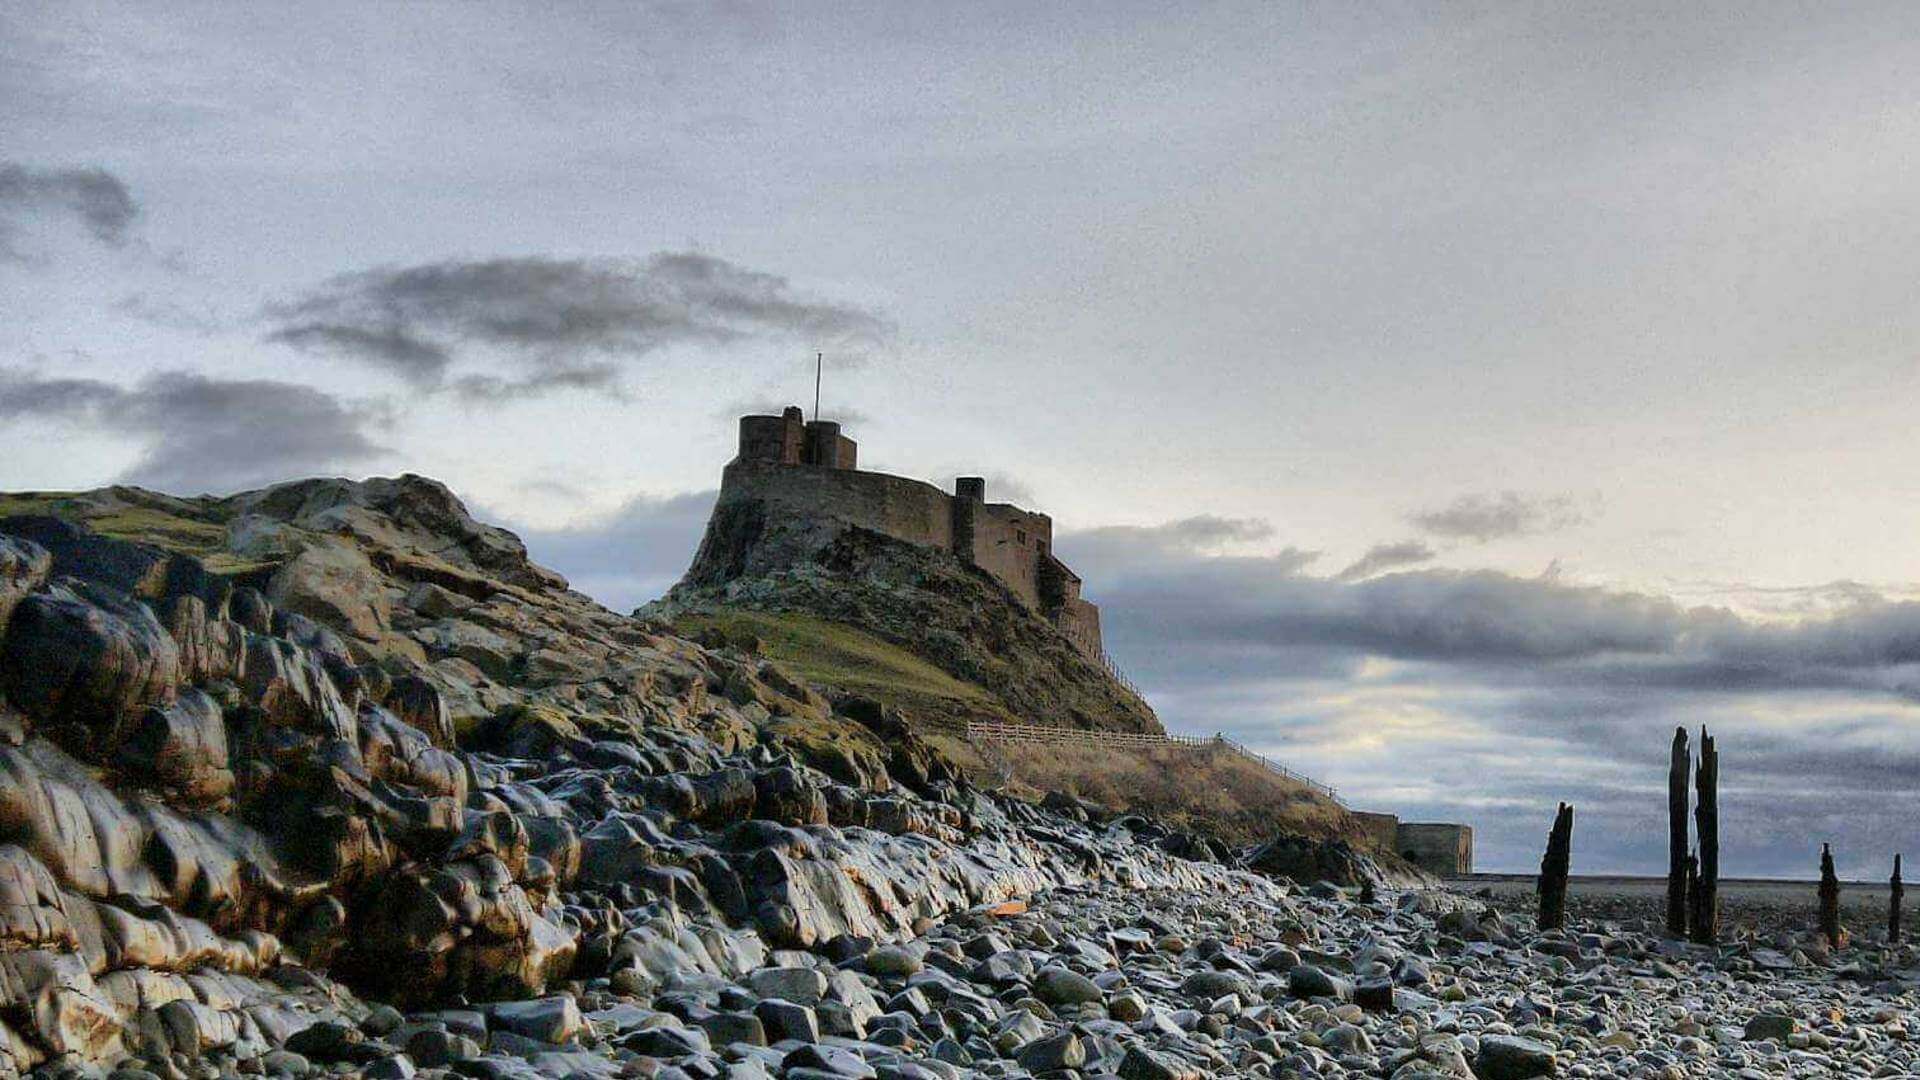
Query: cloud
768, 405
1383, 557
92, 196
499, 328
1112, 546
1469, 696
1482, 518
1486, 697
202, 434
169, 314
630, 556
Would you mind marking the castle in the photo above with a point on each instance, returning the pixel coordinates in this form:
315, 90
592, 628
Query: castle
810, 468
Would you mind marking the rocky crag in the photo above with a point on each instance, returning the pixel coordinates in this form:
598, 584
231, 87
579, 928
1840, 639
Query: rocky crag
948, 644
955, 616
329, 779
268, 757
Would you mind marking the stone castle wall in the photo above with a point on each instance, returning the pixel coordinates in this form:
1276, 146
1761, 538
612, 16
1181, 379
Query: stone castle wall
895, 506
804, 471
1080, 621
1010, 543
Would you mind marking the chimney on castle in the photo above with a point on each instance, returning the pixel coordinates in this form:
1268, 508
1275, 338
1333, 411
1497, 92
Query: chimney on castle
970, 487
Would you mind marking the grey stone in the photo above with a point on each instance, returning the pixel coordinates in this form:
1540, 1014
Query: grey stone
1060, 986
1052, 1053
1513, 1057
551, 1020
787, 1020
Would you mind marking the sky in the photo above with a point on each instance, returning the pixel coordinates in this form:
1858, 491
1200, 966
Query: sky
1448, 400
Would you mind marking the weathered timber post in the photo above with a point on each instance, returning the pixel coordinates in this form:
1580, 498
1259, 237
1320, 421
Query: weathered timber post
1693, 889
1704, 915
1829, 897
1677, 836
1896, 892
1553, 870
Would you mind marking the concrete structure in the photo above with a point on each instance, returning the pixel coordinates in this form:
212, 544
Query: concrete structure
1438, 848
1381, 830
809, 468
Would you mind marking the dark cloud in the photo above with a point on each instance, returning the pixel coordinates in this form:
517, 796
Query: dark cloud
554, 324
202, 434
157, 311
630, 556
1383, 557
1487, 697
1483, 517
94, 197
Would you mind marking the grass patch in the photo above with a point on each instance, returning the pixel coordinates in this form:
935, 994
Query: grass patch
205, 540
160, 529
57, 504
138, 523
834, 654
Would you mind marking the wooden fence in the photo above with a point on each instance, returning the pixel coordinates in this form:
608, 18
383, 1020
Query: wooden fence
1036, 734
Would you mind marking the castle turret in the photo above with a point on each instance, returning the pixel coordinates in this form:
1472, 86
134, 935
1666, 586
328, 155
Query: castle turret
788, 439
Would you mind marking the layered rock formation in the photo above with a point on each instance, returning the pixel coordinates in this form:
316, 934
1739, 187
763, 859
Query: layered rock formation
264, 759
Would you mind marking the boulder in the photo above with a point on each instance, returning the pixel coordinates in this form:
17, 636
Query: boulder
82, 660
1053, 1053
24, 566
1776, 1026
550, 1019
1060, 986
1306, 861
1513, 1057
333, 583
181, 747
421, 704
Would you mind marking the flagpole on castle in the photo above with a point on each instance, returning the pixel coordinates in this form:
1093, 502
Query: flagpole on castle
818, 362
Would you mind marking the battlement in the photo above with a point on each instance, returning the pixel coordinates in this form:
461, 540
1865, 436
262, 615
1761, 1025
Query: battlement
799, 469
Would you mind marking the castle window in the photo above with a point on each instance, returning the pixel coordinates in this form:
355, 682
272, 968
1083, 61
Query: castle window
1022, 535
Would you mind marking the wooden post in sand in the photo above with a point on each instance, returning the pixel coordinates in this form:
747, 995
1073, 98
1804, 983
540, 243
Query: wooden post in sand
1693, 886
1896, 892
1677, 836
1704, 905
1553, 870
1829, 898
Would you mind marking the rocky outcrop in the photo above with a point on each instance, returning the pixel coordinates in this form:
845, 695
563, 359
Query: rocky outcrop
954, 616
361, 749
1308, 860
434, 815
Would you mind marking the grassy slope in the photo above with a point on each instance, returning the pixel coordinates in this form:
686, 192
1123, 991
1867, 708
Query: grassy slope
840, 656
150, 524
1214, 791
1210, 791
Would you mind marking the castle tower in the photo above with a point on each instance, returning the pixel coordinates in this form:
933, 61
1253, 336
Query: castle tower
789, 439
969, 495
